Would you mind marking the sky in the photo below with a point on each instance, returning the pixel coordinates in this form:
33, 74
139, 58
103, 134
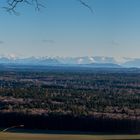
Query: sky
67, 28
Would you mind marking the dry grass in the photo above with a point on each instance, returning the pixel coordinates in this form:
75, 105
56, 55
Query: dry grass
25, 136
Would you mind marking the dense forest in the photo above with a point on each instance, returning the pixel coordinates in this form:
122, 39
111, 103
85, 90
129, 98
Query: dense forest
99, 100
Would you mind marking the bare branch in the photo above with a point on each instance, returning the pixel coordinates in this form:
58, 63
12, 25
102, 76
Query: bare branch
86, 5
13, 4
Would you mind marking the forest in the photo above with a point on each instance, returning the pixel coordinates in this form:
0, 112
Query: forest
70, 98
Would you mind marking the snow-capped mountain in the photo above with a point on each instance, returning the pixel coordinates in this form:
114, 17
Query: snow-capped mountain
94, 61
86, 60
30, 61
132, 63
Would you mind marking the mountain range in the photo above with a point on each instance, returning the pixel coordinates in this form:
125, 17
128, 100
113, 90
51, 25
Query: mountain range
96, 61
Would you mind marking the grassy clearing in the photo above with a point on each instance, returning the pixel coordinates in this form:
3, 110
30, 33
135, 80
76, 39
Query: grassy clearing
25, 136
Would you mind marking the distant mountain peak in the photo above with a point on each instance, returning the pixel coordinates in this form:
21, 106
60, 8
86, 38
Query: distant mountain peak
98, 61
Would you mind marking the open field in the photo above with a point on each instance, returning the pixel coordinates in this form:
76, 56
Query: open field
26, 136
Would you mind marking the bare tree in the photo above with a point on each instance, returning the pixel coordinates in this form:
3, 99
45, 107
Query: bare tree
12, 4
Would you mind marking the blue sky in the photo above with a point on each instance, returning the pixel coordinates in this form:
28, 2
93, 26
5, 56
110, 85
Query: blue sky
66, 28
